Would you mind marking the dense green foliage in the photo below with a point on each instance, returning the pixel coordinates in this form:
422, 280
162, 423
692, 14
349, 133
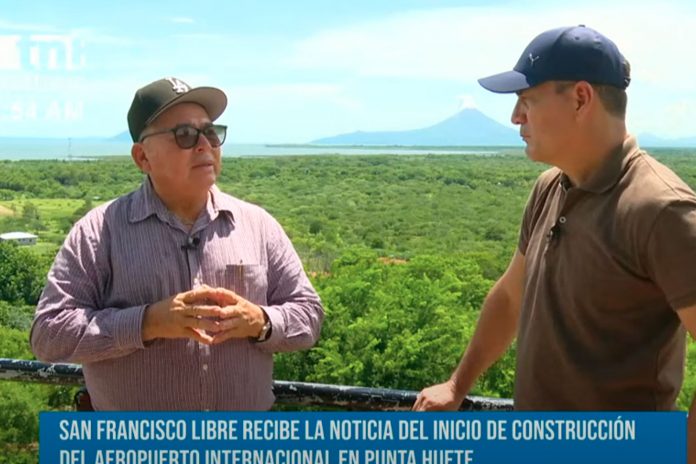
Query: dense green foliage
23, 274
402, 250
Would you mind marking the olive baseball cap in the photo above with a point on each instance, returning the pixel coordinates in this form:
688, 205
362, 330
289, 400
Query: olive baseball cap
156, 97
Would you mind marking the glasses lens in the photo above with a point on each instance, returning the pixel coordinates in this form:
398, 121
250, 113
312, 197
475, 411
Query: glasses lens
186, 136
215, 134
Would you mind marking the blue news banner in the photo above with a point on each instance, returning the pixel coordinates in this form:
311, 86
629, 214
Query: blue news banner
361, 438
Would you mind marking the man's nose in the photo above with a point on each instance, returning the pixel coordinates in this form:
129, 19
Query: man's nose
203, 143
518, 116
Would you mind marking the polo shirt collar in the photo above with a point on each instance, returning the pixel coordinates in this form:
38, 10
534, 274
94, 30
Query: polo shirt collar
609, 173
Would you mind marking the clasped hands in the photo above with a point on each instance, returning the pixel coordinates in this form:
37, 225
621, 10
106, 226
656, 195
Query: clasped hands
205, 314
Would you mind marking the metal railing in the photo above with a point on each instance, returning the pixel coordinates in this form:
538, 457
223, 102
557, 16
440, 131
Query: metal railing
292, 393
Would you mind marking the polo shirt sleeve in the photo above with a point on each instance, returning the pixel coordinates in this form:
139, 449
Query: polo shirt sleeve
671, 252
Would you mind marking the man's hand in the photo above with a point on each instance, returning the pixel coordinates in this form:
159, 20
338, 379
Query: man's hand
440, 397
239, 317
185, 315
688, 318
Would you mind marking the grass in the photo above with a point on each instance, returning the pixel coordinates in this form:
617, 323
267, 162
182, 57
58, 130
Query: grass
52, 213
50, 209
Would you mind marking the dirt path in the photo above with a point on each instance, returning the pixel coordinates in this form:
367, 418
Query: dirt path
4, 211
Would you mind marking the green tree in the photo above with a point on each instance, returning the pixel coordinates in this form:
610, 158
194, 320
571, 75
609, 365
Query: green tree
30, 212
395, 323
82, 210
23, 274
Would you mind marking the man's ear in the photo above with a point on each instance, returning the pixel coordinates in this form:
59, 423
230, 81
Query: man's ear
140, 157
584, 96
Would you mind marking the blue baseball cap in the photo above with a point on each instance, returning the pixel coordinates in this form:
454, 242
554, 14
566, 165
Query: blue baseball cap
565, 54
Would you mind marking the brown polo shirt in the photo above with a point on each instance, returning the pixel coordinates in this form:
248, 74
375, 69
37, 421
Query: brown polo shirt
608, 263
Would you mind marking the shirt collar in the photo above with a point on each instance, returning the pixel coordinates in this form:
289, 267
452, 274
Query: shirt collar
218, 202
611, 169
145, 203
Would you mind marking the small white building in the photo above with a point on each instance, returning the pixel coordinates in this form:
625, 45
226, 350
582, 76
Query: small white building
22, 238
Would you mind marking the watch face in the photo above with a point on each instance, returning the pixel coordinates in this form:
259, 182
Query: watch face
264, 331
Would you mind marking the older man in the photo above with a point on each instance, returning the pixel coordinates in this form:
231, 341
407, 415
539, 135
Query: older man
176, 295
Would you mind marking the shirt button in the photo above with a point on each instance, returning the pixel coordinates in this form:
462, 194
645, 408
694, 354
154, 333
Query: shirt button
562, 219
196, 282
205, 367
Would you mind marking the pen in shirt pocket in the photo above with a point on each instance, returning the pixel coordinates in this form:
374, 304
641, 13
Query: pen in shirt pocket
240, 279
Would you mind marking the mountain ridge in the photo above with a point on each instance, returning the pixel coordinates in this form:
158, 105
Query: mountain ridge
467, 127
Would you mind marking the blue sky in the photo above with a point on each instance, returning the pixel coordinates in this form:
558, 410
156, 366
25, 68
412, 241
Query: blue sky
303, 69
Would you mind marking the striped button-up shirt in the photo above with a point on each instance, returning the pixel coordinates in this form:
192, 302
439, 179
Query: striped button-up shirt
132, 252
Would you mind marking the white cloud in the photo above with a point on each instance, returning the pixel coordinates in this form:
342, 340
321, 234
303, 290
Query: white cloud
182, 20
466, 102
331, 93
423, 44
467, 43
460, 45
25, 27
96, 37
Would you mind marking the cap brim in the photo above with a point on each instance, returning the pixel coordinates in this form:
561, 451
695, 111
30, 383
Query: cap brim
507, 82
213, 100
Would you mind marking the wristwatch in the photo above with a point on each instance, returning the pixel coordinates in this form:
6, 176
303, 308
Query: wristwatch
265, 330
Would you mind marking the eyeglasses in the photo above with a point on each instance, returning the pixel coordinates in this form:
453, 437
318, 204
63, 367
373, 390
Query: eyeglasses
186, 136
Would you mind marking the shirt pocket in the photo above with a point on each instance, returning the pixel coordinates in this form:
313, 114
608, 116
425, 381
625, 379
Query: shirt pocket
248, 281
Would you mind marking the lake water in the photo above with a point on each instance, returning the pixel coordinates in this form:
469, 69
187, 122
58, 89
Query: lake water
11, 149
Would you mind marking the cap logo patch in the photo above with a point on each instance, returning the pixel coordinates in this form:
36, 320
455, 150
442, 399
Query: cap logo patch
177, 85
532, 59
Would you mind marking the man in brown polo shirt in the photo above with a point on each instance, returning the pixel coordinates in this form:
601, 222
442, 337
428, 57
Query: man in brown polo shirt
603, 283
